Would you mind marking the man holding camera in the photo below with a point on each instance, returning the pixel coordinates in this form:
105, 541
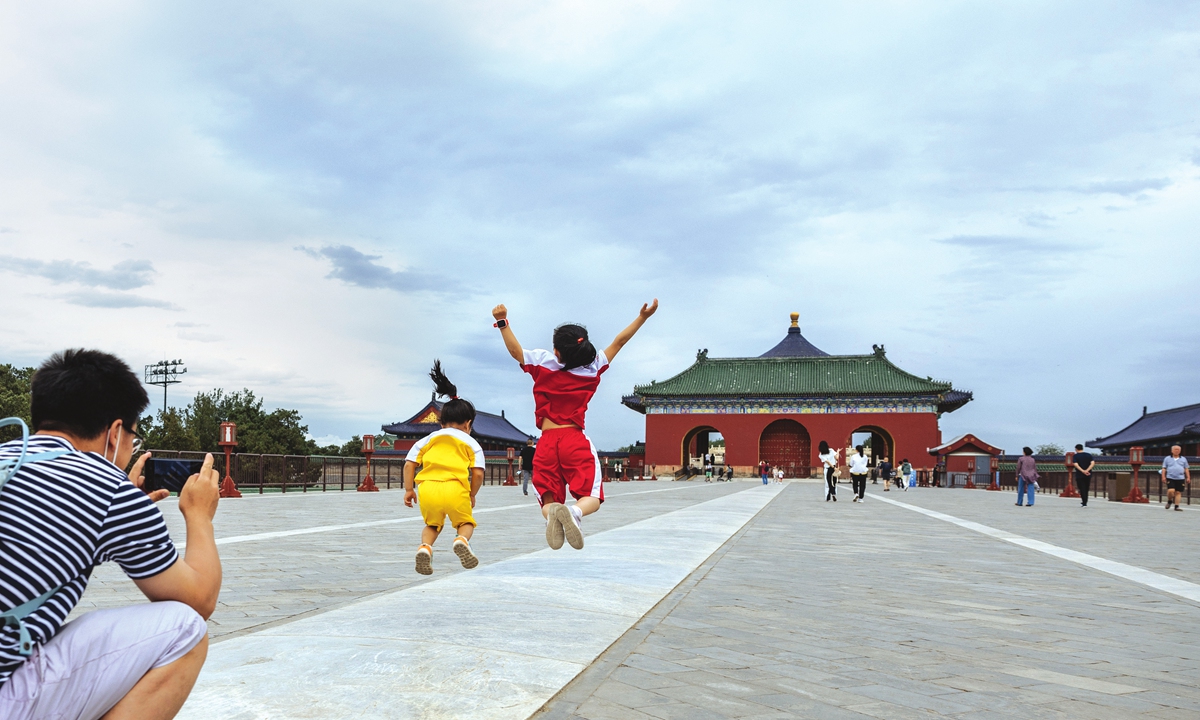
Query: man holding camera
62, 516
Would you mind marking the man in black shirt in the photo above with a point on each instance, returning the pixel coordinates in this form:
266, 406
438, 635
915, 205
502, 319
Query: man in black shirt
885, 473
1083, 472
527, 465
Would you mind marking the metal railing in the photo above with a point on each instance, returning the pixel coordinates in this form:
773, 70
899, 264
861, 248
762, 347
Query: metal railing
317, 473
1150, 482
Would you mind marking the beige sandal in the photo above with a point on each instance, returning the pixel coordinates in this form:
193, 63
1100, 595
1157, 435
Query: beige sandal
572, 532
462, 548
425, 560
554, 527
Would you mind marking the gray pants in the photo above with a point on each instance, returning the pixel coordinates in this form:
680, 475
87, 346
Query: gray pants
526, 476
97, 658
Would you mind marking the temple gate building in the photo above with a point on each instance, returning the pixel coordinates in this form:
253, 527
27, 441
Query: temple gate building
777, 407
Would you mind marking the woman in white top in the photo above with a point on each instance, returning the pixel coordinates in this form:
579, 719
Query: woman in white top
858, 473
829, 461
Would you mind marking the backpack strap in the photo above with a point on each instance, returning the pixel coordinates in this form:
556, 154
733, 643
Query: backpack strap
8, 468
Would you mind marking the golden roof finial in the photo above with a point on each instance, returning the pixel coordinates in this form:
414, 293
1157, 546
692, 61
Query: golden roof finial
795, 319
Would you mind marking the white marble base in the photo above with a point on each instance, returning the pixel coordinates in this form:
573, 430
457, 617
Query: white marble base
496, 642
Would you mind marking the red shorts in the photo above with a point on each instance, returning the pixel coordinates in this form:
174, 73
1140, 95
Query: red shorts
566, 459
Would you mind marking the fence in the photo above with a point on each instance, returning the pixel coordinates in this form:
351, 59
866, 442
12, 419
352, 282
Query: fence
302, 473
1150, 482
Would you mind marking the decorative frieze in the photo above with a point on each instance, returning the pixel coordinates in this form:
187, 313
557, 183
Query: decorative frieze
790, 406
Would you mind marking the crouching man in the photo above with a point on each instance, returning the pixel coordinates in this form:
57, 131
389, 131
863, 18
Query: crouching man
59, 518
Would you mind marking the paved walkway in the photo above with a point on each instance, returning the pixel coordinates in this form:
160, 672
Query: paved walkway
942, 603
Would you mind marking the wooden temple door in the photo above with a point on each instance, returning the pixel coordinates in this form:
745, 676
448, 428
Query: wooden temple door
786, 444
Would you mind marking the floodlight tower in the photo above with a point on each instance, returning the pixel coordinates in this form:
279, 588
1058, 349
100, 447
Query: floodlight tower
165, 373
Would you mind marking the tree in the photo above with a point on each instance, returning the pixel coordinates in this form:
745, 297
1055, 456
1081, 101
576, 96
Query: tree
14, 398
279, 432
353, 448
1049, 449
170, 431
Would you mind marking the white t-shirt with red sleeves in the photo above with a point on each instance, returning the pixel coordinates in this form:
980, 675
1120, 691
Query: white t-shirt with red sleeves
562, 396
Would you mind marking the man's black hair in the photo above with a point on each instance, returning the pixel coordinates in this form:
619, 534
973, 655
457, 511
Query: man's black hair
574, 348
81, 392
456, 410
1079, 447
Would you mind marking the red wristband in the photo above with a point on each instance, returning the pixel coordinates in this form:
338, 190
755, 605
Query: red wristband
498, 325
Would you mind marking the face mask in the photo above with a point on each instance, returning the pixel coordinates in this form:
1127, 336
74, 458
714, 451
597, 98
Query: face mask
116, 448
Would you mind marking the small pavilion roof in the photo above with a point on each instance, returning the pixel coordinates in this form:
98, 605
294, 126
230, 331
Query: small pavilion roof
487, 426
1160, 425
794, 344
965, 442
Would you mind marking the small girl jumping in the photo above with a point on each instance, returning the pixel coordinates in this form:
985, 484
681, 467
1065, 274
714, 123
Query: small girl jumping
564, 381
451, 474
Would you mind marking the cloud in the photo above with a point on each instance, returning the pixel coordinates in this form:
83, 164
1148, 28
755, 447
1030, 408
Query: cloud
100, 299
357, 268
1008, 244
125, 275
1126, 187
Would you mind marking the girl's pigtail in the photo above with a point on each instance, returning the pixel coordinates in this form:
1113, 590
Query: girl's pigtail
441, 383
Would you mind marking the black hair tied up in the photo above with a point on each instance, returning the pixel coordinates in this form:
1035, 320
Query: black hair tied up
456, 410
574, 348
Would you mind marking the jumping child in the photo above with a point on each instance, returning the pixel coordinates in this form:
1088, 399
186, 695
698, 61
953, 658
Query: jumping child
451, 474
564, 381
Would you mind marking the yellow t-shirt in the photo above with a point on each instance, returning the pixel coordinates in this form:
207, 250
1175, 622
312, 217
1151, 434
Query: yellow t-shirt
447, 455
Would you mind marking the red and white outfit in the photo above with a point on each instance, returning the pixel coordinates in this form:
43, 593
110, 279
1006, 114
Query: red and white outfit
565, 457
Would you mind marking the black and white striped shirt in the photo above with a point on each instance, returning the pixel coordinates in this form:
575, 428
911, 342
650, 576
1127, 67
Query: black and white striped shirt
58, 520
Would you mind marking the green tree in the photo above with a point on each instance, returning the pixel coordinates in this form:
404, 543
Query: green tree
169, 431
14, 398
1049, 449
353, 448
280, 432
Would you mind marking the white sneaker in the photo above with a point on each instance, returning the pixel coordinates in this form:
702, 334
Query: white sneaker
571, 525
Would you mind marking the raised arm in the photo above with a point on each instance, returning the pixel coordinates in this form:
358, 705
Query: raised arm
510, 340
625, 335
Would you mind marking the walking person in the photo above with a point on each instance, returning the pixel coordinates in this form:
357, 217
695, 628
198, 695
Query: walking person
906, 474
762, 470
1176, 472
779, 475
829, 461
858, 474
885, 473
527, 465
1083, 472
1027, 477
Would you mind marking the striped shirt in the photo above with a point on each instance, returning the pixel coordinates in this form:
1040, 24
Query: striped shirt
58, 520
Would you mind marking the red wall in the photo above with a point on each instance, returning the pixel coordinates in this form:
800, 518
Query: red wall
912, 433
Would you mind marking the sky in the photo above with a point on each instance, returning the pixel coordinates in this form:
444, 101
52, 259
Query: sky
315, 200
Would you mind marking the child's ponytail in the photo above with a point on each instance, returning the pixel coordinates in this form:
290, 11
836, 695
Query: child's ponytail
574, 348
456, 410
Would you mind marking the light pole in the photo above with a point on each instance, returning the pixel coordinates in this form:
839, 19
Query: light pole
1137, 456
511, 454
1070, 491
368, 447
228, 442
165, 373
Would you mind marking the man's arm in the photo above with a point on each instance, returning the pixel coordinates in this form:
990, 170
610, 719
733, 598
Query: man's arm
625, 335
196, 580
1088, 470
510, 340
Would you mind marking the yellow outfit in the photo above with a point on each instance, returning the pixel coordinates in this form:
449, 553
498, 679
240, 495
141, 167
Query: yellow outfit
443, 483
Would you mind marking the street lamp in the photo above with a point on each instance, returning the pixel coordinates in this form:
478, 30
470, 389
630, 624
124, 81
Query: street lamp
1070, 492
228, 441
995, 467
971, 473
368, 447
1137, 457
511, 454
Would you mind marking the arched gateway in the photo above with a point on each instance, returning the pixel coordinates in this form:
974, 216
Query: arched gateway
759, 402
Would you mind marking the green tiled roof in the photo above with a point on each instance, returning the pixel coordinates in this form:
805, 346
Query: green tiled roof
793, 376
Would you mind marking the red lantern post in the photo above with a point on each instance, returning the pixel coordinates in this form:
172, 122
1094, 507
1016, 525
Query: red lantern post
1070, 492
995, 467
511, 454
228, 441
368, 447
971, 473
1137, 457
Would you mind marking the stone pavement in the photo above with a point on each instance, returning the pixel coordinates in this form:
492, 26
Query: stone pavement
842, 610
811, 609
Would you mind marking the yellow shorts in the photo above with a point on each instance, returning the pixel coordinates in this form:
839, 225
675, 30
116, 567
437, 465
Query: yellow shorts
439, 499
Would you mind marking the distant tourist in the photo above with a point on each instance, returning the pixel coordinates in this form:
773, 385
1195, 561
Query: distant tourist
829, 461
1176, 472
1027, 477
1083, 472
858, 474
779, 475
527, 465
762, 470
728, 473
708, 472
906, 471
885, 473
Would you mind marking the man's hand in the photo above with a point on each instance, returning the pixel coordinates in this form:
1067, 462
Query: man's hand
139, 480
410, 496
646, 311
201, 492
500, 312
